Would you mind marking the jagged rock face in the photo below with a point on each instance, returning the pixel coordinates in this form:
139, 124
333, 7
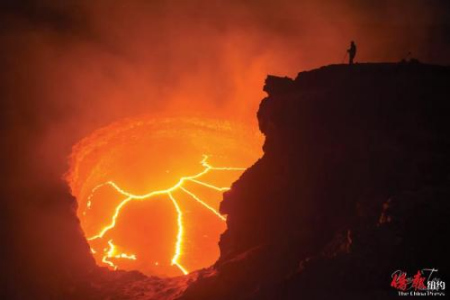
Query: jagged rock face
353, 185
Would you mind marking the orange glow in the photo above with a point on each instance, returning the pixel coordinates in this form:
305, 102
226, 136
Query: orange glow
168, 192
159, 239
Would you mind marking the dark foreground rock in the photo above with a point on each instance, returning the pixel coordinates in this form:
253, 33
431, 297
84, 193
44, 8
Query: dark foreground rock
353, 185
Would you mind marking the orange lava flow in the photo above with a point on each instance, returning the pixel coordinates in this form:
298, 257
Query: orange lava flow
149, 189
178, 250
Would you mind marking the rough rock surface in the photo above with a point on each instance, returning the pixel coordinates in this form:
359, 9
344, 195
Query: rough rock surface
353, 185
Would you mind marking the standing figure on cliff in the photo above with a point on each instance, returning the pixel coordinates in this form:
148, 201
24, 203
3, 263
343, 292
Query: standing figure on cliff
351, 52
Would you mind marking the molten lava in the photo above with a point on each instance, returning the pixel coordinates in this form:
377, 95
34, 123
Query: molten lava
149, 190
168, 192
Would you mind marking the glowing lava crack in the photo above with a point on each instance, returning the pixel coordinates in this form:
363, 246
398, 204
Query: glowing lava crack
112, 252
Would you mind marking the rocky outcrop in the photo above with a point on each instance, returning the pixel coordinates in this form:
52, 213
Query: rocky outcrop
353, 185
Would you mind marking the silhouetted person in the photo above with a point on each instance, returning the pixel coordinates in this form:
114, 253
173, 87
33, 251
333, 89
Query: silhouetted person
351, 52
